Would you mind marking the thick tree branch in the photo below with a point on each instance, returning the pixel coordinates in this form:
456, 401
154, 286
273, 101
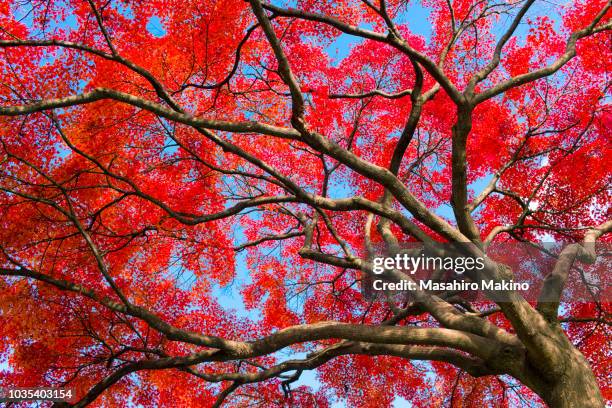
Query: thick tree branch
283, 63
187, 119
548, 303
376, 92
487, 69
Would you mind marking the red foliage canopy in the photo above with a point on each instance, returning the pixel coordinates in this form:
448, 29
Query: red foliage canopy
159, 158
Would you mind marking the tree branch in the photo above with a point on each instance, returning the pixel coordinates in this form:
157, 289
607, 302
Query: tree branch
548, 302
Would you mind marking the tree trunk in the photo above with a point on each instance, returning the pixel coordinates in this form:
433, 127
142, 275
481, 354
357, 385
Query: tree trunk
577, 387
574, 385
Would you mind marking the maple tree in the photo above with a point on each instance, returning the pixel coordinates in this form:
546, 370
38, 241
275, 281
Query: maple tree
143, 169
